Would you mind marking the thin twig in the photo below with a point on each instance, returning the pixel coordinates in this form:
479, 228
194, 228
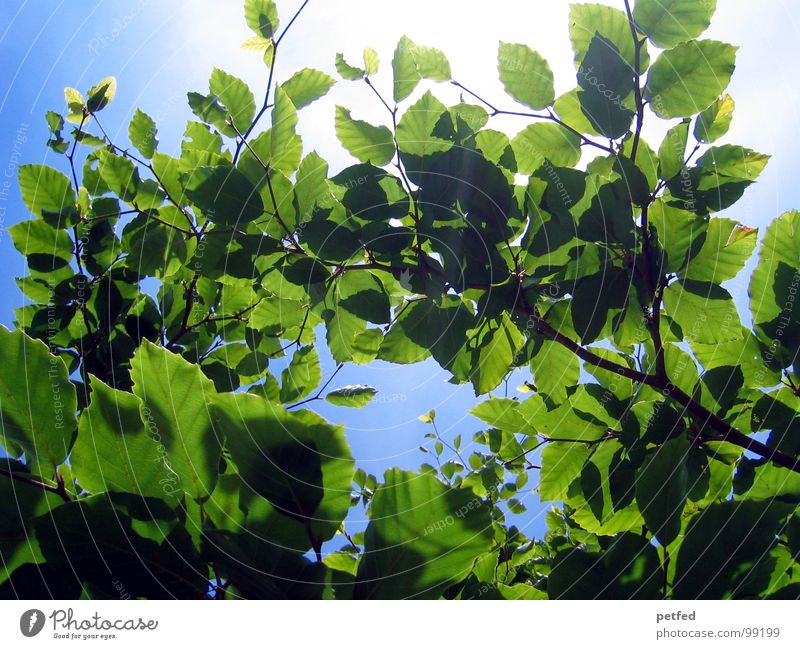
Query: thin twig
318, 395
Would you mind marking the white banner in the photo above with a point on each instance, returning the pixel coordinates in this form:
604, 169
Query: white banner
621, 624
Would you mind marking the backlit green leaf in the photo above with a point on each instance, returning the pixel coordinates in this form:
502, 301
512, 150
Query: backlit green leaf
351, 396
364, 141
670, 22
235, 96
422, 537
142, 133
525, 75
114, 450
715, 120
47, 193
306, 86
261, 17
301, 376
175, 399
687, 79
37, 401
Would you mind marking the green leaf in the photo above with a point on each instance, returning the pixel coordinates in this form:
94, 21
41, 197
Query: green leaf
20, 504
431, 63
596, 300
525, 75
504, 415
142, 133
362, 294
235, 96
261, 17
416, 132
425, 328
120, 174
687, 79
101, 95
175, 395
347, 71
726, 248
137, 541
37, 401
561, 464
629, 568
352, 396
662, 488
364, 141
371, 61
404, 68
422, 538
587, 20
38, 238
284, 122
297, 461
774, 286
606, 82
225, 195
428, 418
723, 547
496, 344
539, 142
75, 104
47, 193
705, 312
568, 107
672, 152
555, 368
306, 86
677, 231
311, 184
715, 120
301, 376
210, 111
114, 450
670, 22
732, 161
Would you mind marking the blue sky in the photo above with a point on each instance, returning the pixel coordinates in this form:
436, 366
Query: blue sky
160, 50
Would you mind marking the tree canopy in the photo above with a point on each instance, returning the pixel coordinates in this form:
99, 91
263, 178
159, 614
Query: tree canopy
148, 441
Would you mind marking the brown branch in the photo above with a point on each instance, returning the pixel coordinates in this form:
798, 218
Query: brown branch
275, 211
318, 395
186, 328
266, 105
59, 490
397, 162
729, 433
637, 55
127, 154
549, 116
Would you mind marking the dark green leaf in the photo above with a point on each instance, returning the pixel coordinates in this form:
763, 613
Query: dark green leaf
225, 195
422, 537
661, 489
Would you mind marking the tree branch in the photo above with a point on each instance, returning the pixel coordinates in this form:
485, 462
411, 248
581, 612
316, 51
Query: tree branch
549, 116
59, 490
